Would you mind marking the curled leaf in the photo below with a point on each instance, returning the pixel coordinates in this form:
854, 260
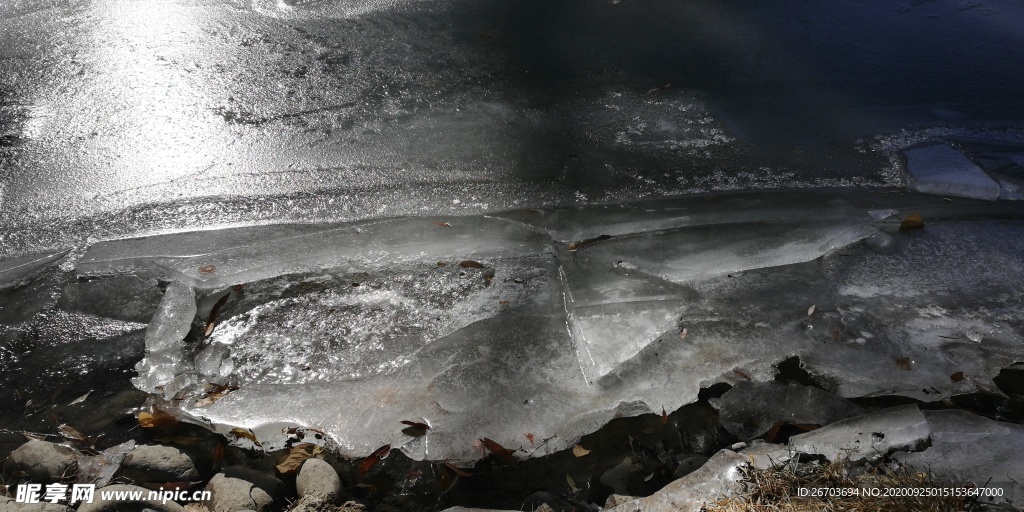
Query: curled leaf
211, 321
378, 455
241, 433
579, 451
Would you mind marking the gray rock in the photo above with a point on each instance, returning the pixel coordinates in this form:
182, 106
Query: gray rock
157, 463
9, 505
617, 499
719, 477
317, 479
239, 488
124, 505
751, 408
43, 462
618, 475
866, 437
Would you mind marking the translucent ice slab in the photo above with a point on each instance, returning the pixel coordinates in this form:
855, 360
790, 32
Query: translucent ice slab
16, 270
220, 258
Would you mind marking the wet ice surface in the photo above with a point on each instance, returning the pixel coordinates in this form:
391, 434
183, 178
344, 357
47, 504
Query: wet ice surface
530, 337
118, 122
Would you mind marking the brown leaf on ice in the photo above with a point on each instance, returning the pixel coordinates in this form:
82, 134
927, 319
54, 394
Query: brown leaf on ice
957, 377
155, 417
415, 428
503, 454
378, 455
69, 432
664, 417
214, 392
742, 373
913, 221
579, 451
241, 433
530, 438
211, 321
442, 224
296, 456
471, 264
207, 269
904, 363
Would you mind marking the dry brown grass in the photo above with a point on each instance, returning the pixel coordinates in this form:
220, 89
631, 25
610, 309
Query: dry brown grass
777, 490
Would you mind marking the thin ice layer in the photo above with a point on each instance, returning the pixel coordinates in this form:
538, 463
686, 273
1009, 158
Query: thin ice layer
692, 254
15, 270
221, 258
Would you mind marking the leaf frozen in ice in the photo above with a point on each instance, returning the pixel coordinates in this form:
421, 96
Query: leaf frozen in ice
378, 455
155, 417
912, 221
211, 321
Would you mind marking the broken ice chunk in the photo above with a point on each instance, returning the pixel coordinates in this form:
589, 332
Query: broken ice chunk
751, 408
969, 448
941, 169
216, 259
866, 437
209, 361
14, 271
691, 254
691, 493
173, 318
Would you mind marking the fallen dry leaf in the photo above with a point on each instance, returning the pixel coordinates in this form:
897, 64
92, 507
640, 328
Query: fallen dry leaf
241, 433
904, 363
69, 432
529, 437
211, 321
579, 451
156, 418
664, 417
957, 377
442, 224
415, 428
503, 454
207, 269
575, 246
810, 310
471, 264
296, 456
913, 221
80, 399
378, 455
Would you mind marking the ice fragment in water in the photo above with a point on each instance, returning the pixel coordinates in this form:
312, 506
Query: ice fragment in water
15, 271
173, 318
866, 437
209, 361
941, 169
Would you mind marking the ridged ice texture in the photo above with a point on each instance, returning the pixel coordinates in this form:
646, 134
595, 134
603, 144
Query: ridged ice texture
535, 338
164, 338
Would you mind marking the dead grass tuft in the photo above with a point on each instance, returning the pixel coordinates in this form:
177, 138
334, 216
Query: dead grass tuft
778, 490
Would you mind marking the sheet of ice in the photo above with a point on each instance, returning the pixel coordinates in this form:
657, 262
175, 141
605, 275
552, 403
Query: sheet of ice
749, 409
14, 271
217, 259
967, 448
719, 476
867, 437
941, 169
164, 338
692, 254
